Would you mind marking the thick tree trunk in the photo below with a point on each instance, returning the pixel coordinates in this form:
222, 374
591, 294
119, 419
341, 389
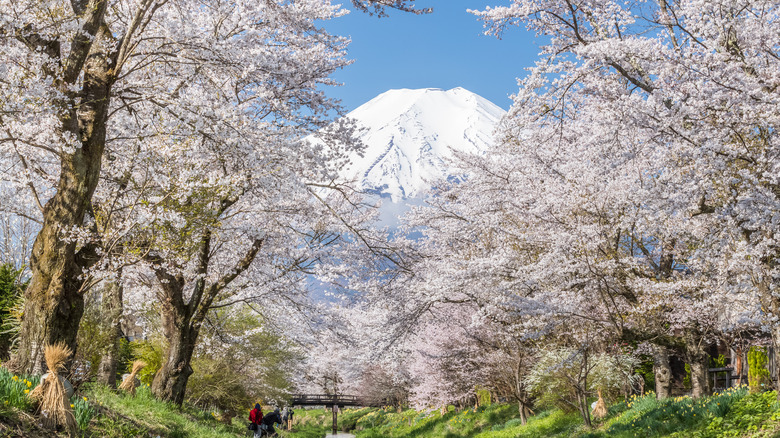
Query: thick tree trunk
181, 321
53, 301
663, 373
170, 382
698, 360
112, 310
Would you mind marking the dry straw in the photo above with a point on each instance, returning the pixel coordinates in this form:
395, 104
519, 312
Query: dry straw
600, 411
128, 384
50, 393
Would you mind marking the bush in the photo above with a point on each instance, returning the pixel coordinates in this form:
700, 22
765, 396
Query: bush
513, 422
552, 379
11, 306
150, 352
758, 373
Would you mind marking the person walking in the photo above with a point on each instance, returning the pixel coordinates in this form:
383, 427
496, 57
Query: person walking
256, 420
270, 419
284, 418
290, 414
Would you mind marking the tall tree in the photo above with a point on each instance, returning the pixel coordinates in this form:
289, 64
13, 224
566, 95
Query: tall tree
82, 80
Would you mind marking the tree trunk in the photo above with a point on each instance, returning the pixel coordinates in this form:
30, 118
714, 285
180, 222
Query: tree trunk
181, 321
776, 348
170, 382
523, 412
53, 301
698, 360
663, 373
112, 310
582, 404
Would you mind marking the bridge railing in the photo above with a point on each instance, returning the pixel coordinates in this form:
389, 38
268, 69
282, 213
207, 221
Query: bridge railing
338, 399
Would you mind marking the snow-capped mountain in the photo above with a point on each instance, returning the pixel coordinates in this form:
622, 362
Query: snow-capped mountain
409, 133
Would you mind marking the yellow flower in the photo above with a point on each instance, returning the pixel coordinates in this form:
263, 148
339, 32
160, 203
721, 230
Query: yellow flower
85, 399
15, 378
29, 384
26, 391
72, 406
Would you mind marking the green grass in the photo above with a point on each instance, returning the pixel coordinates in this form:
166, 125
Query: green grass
144, 413
734, 413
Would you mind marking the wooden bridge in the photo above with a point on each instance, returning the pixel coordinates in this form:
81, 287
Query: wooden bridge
335, 401
339, 400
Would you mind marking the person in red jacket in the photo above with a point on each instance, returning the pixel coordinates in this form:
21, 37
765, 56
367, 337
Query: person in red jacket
256, 419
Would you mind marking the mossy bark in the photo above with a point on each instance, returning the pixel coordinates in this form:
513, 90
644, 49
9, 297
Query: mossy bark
112, 311
662, 370
53, 300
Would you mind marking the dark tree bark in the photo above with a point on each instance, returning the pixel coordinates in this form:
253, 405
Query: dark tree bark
698, 360
53, 301
663, 373
182, 320
112, 314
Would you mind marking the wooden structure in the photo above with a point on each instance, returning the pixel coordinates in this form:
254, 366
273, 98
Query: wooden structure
725, 375
336, 401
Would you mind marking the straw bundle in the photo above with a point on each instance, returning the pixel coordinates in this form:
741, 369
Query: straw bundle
51, 394
128, 384
600, 411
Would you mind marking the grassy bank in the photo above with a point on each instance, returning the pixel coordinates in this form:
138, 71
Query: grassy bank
734, 413
101, 412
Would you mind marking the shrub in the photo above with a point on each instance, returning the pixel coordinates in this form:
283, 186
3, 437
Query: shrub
11, 306
558, 372
151, 353
758, 373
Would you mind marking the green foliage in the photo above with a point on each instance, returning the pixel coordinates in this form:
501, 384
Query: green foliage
232, 375
151, 352
758, 372
14, 389
718, 362
645, 369
11, 306
687, 384
484, 397
732, 413
83, 411
94, 337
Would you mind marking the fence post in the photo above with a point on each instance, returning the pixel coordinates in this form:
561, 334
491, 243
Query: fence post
335, 417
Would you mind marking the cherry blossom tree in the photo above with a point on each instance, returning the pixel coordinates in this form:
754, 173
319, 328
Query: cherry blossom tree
683, 90
86, 82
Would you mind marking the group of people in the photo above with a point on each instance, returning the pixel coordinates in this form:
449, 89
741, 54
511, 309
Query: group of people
263, 425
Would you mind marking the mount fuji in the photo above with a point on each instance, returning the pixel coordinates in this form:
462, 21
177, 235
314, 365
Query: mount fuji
410, 134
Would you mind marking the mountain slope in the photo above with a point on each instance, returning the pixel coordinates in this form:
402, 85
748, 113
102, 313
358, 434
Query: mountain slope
408, 135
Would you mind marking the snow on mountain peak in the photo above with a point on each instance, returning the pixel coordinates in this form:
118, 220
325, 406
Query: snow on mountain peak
409, 133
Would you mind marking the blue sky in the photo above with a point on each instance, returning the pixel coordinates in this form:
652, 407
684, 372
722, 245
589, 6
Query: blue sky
444, 49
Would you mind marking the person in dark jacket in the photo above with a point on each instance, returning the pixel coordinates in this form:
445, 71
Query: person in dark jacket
256, 418
270, 419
